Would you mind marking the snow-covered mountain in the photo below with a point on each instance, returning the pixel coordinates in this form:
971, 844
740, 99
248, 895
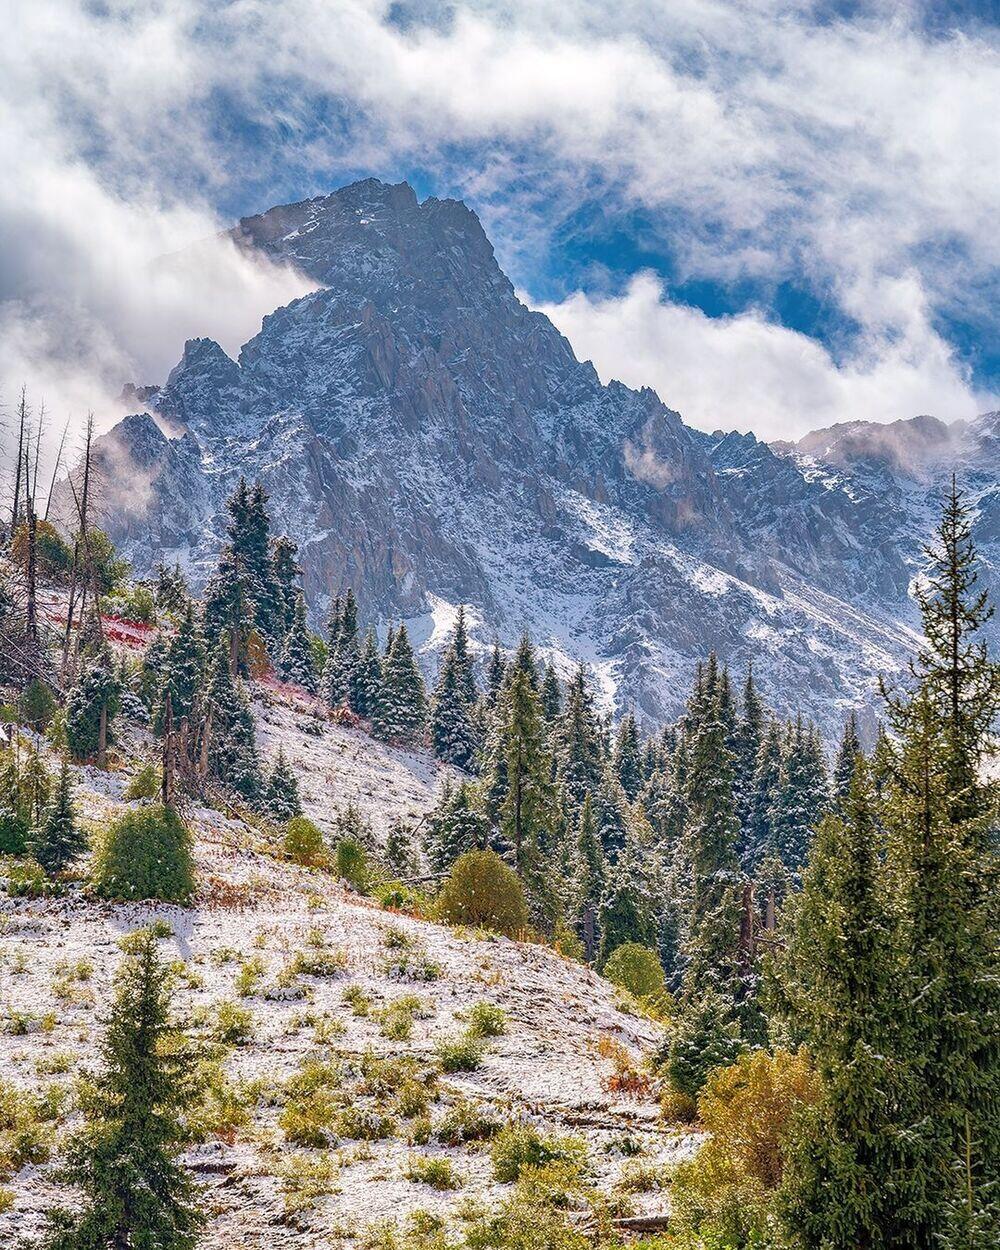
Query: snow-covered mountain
429, 440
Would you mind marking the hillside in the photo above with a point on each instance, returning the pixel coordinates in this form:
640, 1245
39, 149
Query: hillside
254, 910
429, 441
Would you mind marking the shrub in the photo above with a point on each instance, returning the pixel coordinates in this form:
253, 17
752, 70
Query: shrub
467, 1121
26, 879
304, 841
36, 704
635, 968
145, 784
487, 1020
362, 1124
309, 1120
304, 1180
14, 829
483, 892
725, 1192
460, 1054
357, 1000
436, 1172
518, 1146
145, 854
232, 1025
351, 864
319, 963
410, 965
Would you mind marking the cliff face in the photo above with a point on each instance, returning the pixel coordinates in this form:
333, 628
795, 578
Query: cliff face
429, 440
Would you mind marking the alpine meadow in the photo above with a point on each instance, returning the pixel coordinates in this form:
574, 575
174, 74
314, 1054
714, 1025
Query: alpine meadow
499, 671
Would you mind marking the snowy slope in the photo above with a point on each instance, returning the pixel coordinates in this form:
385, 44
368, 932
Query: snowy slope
549, 1068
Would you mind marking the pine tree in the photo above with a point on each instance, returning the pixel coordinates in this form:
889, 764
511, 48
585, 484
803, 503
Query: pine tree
296, 662
366, 678
847, 758
453, 731
456, 827
842, 1186
229, 609
171, 592
611, 816
551, 695
35, 785
286, 572
232, 758
58, 840
400, 856
183, 673
281, 796
627, 760
124, 1161
527, 815
626, 913
579, 762
91, 707
589, 881
751, 727
713, 879
801, 798
402, 711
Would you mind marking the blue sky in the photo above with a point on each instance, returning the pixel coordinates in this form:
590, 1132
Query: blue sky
778, 213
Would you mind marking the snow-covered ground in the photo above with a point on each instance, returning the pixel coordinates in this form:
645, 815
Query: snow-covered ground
259, 913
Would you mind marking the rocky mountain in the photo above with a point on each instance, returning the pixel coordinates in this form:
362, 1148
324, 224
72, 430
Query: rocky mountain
428, 439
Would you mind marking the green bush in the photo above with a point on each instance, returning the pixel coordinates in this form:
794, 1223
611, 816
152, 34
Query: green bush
145, 784
483, 892
704, 1038
231, 1025
36, 704
518, 1146
487, 1020
145, 854
460, 1054
304, 841
635, 968
13, 830
351, 863
436, 1172
466, 1122
131, 603
26, 879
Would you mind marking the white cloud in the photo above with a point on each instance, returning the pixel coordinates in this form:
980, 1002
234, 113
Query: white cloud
747, 373
758, 142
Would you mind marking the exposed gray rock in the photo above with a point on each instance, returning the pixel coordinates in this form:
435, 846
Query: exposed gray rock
429, 440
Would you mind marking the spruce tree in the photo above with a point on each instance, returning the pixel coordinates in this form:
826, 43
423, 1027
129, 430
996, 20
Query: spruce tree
229, 607
91, 707
232, 757
366, 678
453, 731
524, 661
465, 665
579, 763
456, 826
281, 795
801, 798
183, 673
286, 571
626, 913
757, 835
589, 881
527, 815
123, 1162
609, 806
343, 654
845, 1180
627, 760
58, 840
495, 673
847, 759
708, 850
402, 710
751, 727
551, 695
296, 662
